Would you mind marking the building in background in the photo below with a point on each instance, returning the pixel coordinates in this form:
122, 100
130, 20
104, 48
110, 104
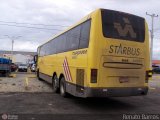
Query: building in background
18, 56
155, 63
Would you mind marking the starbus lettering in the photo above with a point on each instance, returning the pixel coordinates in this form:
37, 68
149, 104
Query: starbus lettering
124, 50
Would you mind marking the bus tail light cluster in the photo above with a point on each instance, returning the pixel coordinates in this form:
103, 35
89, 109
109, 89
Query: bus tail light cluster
148, 75
94, 75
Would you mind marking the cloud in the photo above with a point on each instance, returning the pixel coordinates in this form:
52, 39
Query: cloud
61, 12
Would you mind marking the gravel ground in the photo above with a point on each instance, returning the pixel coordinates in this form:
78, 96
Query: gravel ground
39, 103
155, 82
18, 84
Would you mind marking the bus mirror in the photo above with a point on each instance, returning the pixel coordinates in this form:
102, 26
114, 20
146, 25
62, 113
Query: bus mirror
35, 58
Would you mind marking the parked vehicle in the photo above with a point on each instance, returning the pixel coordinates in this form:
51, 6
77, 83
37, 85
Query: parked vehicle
5, 66
22, 68
14, 67
156, 70
33, 68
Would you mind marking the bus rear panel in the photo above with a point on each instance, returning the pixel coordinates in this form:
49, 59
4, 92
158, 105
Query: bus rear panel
119, 60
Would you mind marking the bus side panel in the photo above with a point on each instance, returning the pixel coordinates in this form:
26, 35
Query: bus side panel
69, 64
47, 66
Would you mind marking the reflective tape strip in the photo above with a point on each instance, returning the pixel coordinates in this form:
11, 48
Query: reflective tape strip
67, 70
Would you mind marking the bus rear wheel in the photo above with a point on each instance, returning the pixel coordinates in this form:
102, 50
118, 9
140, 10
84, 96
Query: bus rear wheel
63, 88
55, 84
38, 75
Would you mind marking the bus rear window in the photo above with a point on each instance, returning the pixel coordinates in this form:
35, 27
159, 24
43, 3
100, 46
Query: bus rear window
123, 26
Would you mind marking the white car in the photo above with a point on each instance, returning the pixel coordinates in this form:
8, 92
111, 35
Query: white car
33, 68
22, 68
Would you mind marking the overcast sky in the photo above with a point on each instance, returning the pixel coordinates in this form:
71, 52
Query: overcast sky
32, 22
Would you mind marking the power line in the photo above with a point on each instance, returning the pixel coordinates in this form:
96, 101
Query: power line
30, 27
33, 24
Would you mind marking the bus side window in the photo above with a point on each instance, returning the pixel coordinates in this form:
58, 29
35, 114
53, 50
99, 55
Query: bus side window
73, 38
63, 42
42, 50
53, 47
85, 33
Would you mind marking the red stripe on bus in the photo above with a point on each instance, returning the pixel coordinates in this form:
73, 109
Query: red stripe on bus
68, 70
65, 70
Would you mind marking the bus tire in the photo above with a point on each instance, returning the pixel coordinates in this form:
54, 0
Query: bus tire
55, 85
63, 87
38, 76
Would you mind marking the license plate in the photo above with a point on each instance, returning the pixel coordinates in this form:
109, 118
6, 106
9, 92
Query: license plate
123, 79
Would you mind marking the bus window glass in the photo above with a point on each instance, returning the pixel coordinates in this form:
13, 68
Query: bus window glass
52, 47
42, 51
73, 38
58, 42
49, 48
38, 50
63, 42
78, 37
39, 53
122, 26
85, 32
46, 49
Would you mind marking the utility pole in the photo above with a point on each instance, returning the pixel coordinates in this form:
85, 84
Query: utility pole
12, 39
152, 33
12, 47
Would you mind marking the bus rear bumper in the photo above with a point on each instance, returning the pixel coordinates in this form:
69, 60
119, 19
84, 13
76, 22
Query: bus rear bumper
115, 92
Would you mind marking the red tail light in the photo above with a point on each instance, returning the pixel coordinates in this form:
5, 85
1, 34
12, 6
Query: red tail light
94, 75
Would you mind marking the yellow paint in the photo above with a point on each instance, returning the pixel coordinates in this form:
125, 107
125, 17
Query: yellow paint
29, 70
12, 75
32, 77
157, 77
26, 81
152, 88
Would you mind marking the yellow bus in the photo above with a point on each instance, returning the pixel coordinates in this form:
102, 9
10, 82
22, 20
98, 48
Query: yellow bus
106, 54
